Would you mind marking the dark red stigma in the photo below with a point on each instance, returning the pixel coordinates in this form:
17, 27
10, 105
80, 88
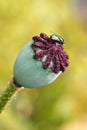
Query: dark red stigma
49, 53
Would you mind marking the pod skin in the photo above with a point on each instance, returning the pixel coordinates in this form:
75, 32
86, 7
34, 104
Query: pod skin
29, 72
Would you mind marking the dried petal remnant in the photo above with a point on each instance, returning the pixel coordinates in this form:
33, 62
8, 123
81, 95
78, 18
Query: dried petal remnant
50, 52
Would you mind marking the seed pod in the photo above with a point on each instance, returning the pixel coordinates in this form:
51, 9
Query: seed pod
35, 65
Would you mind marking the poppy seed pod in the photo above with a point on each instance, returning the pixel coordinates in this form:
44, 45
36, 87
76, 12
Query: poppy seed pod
40, 61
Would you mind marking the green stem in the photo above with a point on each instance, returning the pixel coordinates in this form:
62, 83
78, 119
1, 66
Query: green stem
7, 95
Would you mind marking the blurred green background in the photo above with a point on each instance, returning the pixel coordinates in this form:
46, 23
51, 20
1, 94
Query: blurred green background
61, 105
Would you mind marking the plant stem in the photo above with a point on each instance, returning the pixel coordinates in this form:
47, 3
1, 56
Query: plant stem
8, 94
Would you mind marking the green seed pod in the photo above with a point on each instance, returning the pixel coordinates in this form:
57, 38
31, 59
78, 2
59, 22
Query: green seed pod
40, 61
29, 72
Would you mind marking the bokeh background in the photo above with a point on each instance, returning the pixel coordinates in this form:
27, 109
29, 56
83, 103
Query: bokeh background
61, 105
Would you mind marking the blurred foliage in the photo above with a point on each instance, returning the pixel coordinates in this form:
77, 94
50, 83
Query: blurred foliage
63, 104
